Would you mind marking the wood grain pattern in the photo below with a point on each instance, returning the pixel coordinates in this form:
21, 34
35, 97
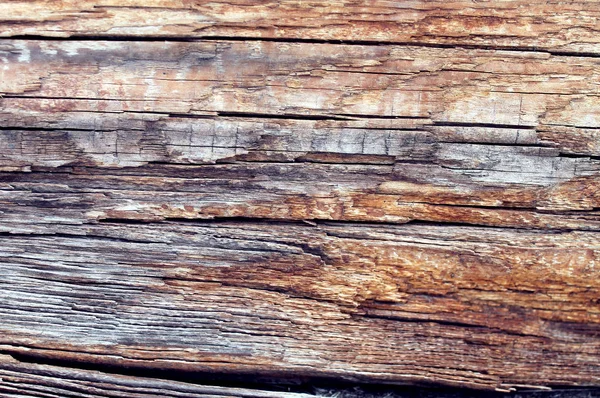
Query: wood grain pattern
570, 26
384, 192
529, 160
458, 305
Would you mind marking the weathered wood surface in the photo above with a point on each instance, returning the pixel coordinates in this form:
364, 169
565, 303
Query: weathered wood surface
570, 26
506, 139
382, 210
464, 306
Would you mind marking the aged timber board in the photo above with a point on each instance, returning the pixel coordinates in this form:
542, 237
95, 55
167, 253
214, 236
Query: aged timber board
293, 190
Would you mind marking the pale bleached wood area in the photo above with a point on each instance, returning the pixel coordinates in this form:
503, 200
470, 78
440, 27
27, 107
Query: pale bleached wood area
385, 193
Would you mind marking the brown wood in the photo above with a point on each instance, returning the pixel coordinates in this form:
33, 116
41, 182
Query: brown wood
383, 193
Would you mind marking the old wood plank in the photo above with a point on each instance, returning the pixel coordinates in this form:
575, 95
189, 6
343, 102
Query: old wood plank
148, 190
464, 306
493, 139
567, 26
445, 85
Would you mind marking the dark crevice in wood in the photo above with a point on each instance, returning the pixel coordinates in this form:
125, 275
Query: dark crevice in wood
72, 236
514, 208
216, 220
484, 125
471, 225
265, 381
50, 129
209, 38
274, 116
385, 117
317, 386
504, 144
179, 115
424, 321
578, 156
573, 54
541, 128
316, 222
336, 116
308, 223
263, 288
349, 159
268, 381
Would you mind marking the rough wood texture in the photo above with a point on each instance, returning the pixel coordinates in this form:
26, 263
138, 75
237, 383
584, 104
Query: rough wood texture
379, 210
401, 133
559, 26
26, 380
465, 306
